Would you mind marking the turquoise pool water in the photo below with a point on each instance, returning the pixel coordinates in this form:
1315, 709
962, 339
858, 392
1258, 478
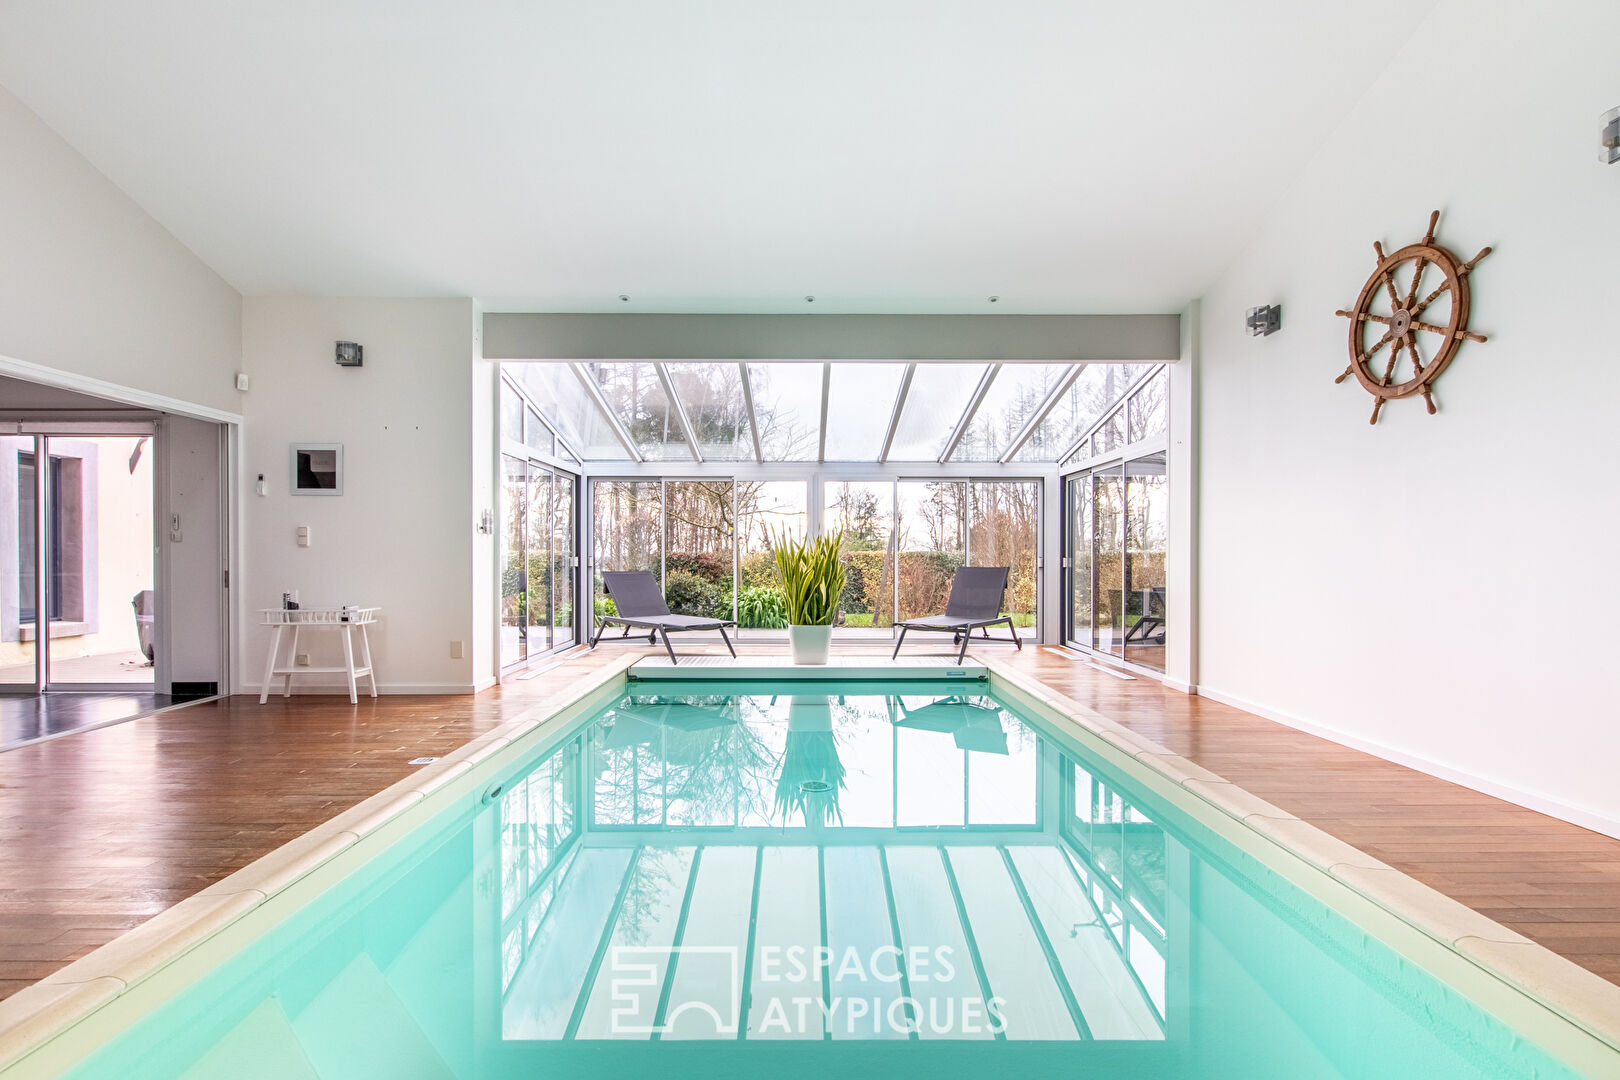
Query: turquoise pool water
712, 880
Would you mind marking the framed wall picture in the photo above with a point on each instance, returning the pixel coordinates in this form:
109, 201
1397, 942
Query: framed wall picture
317, 469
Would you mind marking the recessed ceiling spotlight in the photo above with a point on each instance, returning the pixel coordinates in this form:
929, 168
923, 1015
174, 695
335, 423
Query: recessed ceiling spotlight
993, 299
809, 299
623, 297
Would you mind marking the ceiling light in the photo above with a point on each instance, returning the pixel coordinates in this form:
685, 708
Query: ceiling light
809, 299
993, 299
623, 297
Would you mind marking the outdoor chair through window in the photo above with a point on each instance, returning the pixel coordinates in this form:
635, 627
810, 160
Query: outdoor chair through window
640, 605
975, 602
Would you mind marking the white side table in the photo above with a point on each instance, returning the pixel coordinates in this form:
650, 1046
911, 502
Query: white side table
345, 620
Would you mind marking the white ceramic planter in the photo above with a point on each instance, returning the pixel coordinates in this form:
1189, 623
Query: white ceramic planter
810, 643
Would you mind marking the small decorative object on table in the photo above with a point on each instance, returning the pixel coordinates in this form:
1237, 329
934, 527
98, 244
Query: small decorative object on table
812, 580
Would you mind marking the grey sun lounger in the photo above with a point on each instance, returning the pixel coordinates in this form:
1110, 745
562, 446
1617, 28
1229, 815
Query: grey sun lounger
975, 602
640, 604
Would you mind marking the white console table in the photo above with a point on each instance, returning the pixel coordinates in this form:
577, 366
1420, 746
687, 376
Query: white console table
344, 620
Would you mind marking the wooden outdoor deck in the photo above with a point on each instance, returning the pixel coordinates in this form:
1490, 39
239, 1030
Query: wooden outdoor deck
102, 829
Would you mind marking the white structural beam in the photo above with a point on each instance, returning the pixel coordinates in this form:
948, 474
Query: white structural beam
899, 407
753, 417
1039, 415
594, 392
967, 414
679, 410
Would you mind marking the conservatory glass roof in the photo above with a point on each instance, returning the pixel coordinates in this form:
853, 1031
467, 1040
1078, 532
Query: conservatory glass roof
839, 410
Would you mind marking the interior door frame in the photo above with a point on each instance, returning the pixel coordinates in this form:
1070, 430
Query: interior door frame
42, 431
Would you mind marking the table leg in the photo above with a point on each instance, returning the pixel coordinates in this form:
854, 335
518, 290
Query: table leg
270, 663
348, 662
365, 652
292, 662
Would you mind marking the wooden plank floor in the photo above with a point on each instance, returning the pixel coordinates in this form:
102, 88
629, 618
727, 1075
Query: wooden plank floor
102, 829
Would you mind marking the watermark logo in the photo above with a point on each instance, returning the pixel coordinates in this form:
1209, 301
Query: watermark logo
711, 976
706, 992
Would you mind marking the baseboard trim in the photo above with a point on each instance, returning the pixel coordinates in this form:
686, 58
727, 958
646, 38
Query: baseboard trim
1541, 803
328, 689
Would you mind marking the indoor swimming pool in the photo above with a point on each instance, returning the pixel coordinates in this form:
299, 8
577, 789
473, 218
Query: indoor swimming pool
714, 879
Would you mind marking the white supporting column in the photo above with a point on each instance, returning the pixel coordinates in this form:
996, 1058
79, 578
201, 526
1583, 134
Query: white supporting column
1181, 570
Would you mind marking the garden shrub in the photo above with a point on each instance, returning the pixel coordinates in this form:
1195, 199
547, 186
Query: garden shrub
687, 593
761, 607
708, 565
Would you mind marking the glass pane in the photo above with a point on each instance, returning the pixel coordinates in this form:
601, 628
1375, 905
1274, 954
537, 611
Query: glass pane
865, 513
563, 573
1111, 436
860, 401
1097, 389
928, 775
565, 403
511, 414
938, 397
1147, 537
1149, 412
712, 396
17, 635
536, 436
1005, 530
1079, 541
636, 395
765, 508
932, 543
538, 563
1002, 758
626, 533
697, 546
514, 568
1016, 395
787, 404
1108, 518
100, 578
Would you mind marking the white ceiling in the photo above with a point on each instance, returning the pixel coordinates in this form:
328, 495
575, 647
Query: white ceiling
736, 155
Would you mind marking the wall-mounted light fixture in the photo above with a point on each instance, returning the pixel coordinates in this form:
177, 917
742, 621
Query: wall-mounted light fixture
348, 354
1263, 321
1609, 137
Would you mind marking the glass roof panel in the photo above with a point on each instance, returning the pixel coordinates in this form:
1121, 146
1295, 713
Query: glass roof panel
787, 406
565, 403
711, 393
939, 395
1014, 397
860, 401
1098, 389
636, 395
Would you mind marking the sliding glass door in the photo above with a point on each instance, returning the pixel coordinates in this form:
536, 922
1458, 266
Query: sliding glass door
77, 555
538, 530
1116, 531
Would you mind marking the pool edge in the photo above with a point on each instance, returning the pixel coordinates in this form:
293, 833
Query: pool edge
41, 1012
1583, 998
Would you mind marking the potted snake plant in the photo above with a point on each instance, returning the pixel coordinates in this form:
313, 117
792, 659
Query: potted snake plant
812, 580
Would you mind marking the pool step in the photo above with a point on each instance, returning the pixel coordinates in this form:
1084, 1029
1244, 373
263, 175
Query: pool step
263, 1046
358, 1027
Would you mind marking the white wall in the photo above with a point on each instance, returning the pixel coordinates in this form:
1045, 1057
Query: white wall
91, 284
402, 533
1440, 589
189, 605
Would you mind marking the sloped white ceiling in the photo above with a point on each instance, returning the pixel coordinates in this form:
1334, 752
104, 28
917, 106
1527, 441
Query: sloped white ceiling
736, 155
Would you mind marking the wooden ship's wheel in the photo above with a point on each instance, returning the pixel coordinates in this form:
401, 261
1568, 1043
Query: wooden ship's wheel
1420, 331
